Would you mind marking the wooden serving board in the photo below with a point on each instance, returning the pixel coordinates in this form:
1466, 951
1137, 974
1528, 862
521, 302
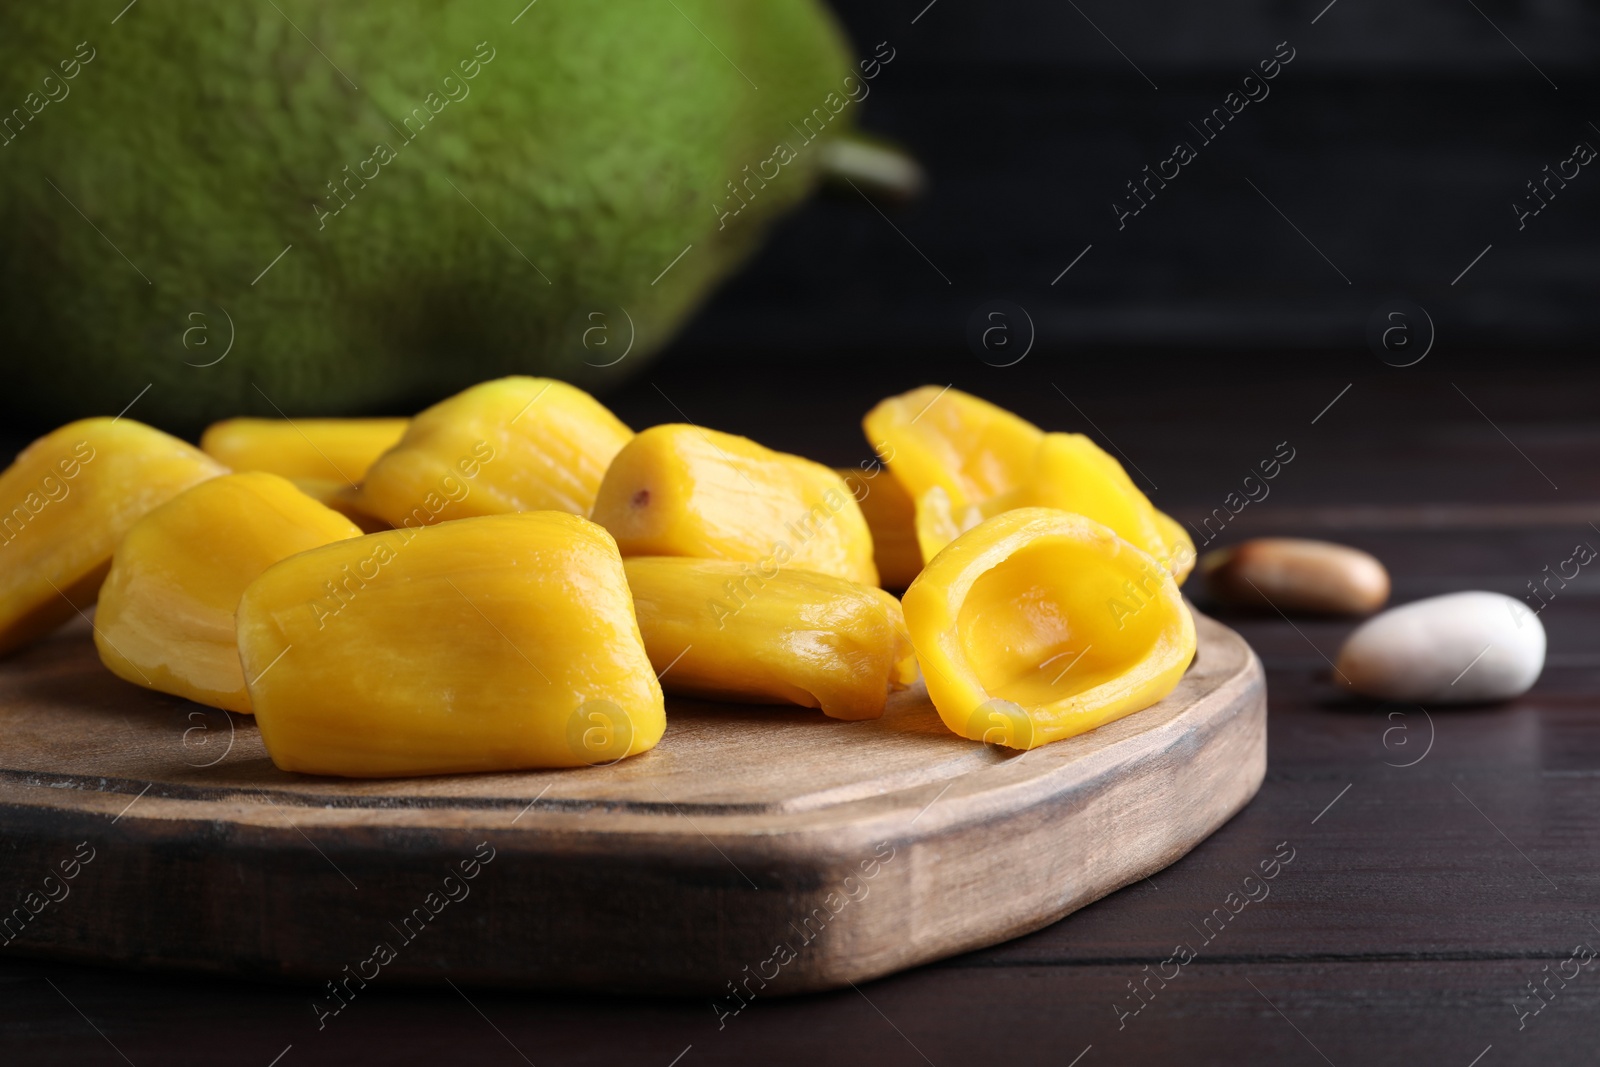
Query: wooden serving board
763, 849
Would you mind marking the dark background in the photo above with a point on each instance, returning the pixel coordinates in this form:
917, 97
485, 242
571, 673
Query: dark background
1396, 141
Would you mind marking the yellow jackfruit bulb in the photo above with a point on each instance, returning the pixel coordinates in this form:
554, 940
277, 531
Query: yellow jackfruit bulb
726, 631
336, 450
490, 644
891, 517
1179, 557
65, 503
938, 436
1070, 473
166, 614
343, 498
1038, 625
678, 490
938, 520
513, 444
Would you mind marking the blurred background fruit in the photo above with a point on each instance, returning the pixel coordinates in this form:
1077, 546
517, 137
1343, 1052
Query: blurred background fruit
340, 208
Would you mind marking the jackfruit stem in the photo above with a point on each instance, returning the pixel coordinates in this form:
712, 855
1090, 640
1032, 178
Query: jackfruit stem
873, 168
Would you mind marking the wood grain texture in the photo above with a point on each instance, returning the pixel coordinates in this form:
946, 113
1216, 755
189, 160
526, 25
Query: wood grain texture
868, 847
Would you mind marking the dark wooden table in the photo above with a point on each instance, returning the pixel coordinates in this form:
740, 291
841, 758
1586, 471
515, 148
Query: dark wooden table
1441, 860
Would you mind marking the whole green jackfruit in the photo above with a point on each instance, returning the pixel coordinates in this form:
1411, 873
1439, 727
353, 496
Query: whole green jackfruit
333, 207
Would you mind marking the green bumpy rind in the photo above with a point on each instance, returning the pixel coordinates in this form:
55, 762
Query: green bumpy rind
143, 199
